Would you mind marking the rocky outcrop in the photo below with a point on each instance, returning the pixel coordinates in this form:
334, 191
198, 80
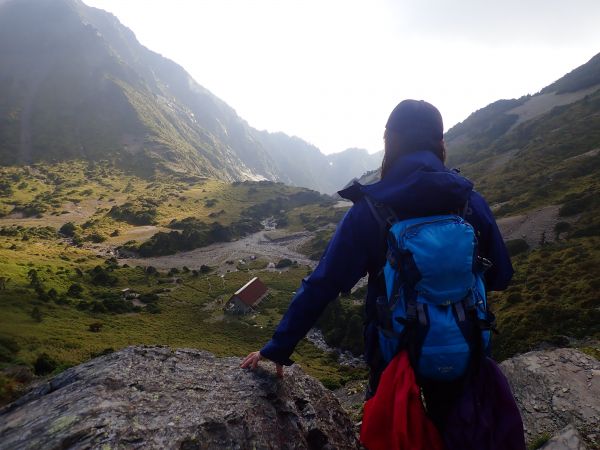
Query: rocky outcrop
555, 388
155, 397
568, 439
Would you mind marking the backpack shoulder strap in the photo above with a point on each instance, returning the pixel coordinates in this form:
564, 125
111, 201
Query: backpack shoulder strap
465, 210
384, 215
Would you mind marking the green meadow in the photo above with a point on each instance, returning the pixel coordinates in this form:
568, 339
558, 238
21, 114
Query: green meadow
73, 308
61, 292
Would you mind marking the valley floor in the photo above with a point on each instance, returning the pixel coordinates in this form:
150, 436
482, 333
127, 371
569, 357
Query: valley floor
64, 299
255, 246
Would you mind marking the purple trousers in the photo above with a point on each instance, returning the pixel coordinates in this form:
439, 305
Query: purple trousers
486, 416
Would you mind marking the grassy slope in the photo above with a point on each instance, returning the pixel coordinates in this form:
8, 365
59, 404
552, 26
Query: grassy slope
95, 188
545, 168
554, 294
191, 314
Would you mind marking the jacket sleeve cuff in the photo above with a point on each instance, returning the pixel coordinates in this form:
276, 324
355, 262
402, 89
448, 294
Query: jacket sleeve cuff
270, 351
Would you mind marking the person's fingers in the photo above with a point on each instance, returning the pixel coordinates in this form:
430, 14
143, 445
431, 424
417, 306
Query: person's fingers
248, 360
245, 362
251, 361
255, 360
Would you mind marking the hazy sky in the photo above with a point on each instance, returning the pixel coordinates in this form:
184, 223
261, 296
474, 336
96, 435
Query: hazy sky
330, 71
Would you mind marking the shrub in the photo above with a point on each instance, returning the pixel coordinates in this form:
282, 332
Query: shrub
514, 297
68, 229
100, 277
148, 298
62, 300
19, 373
153, 308
331, 384
342, 326
7, 388
142, 213
591, 230
282, 263
554, 291
83, 306
42, 294
75, 290
96, 238
95, 327
31, 210
561, 227
539, 441
36, 314
32, 275
516, 246
195, 234
44, 365
8, 349
353, 339
576, 205
98, 308
106, 351
118, 305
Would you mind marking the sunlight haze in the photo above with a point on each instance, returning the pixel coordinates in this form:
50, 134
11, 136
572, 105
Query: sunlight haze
330, 72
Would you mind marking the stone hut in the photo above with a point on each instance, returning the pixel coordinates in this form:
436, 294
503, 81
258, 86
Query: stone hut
247, 297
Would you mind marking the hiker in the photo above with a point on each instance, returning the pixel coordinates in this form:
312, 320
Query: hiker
414, 184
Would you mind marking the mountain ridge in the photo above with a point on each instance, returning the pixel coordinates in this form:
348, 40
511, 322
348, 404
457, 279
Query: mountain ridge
78, 84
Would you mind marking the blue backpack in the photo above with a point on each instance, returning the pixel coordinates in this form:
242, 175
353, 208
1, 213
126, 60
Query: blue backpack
435, 304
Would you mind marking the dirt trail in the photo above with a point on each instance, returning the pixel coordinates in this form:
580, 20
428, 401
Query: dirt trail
77, 213
543, 103
141, 233
531, 225
255, 245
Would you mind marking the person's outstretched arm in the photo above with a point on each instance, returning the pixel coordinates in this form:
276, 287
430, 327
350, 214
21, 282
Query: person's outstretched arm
344, 262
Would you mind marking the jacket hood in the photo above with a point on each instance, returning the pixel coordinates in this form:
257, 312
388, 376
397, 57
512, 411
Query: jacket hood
418, 184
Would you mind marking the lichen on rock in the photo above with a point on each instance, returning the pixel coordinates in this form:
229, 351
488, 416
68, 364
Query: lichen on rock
155, 397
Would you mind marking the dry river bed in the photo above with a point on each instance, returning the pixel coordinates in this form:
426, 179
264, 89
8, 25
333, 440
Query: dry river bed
256, 245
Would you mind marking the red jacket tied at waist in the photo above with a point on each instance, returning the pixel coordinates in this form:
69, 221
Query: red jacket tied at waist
395, 419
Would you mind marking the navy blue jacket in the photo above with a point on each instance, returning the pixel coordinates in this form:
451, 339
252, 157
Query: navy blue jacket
417, 185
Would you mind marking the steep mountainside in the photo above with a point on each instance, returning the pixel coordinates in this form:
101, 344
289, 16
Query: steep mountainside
537, 161
528, 153
304, 165
536, 150
75, 83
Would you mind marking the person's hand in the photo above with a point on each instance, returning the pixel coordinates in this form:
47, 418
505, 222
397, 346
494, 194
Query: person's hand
251, 362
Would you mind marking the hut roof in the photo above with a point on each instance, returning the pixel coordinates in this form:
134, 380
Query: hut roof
251, 292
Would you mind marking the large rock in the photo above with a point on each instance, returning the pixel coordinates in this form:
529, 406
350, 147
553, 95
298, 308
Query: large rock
554, 388
568, 439
155, 397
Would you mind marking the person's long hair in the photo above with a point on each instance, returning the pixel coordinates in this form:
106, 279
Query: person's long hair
398, 144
